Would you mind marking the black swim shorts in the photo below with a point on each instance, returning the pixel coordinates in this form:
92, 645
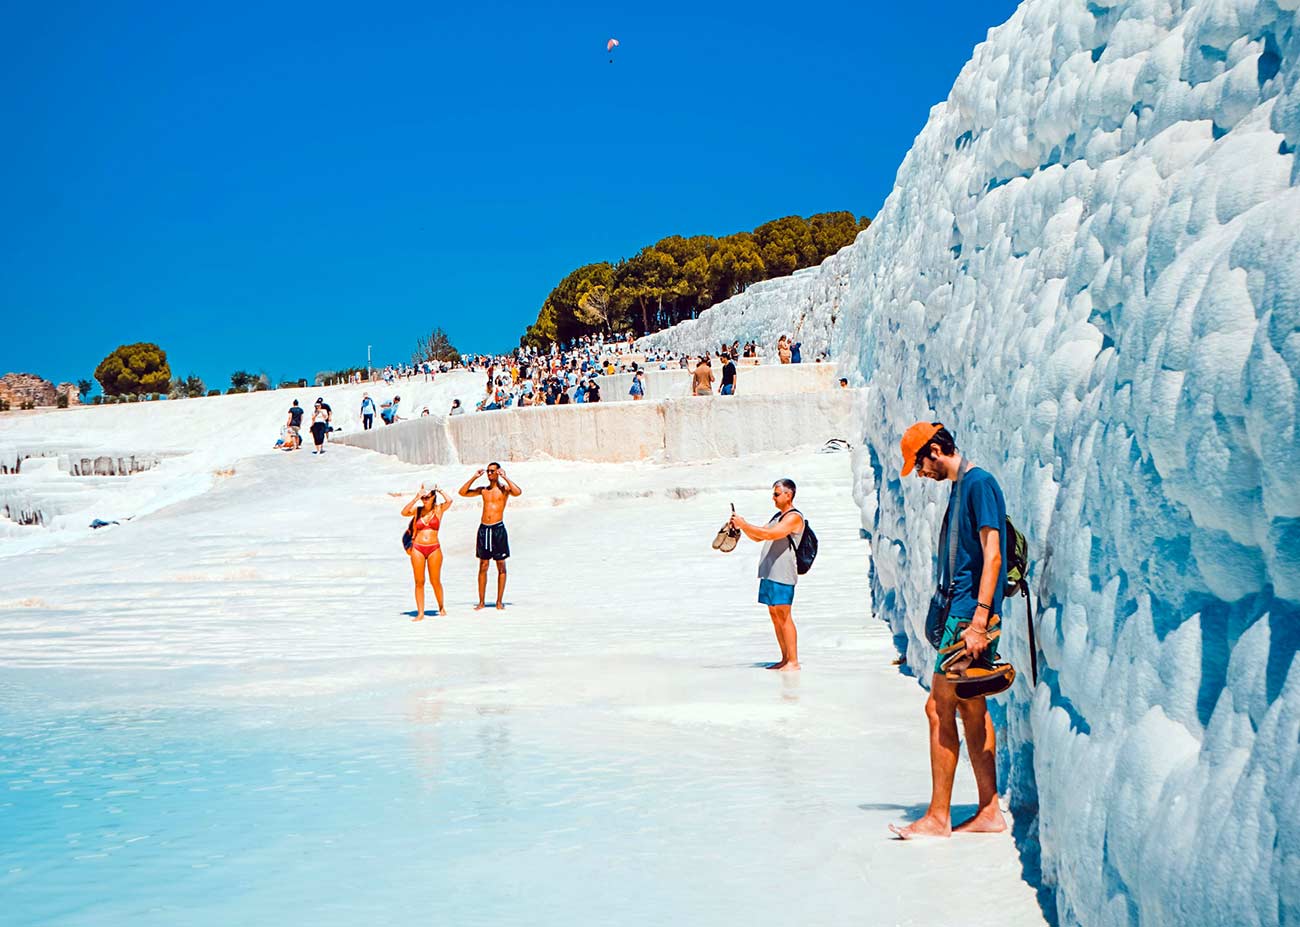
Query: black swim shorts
492, 542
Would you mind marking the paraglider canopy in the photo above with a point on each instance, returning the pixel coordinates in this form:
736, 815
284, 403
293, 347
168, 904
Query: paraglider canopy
611, 45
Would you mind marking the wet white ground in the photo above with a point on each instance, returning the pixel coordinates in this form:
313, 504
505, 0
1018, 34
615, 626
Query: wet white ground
221, 713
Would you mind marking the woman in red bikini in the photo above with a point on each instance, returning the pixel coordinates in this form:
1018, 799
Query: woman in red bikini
425, 512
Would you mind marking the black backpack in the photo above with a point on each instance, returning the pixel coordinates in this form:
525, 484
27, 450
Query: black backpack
805, 552
1018, 584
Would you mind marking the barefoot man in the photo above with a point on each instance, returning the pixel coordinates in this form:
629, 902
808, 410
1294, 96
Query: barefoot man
492, 541
778, 570
975, 590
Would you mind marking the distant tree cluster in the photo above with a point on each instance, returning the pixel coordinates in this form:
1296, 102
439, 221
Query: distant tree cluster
436, 347
134, 369
190, 388
241, 381
675, 278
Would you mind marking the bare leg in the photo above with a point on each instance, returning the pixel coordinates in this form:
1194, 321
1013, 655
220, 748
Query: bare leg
501, 584
774, 612
482, 583
435, 578
941, 712
790, 639
417, 565
981, 744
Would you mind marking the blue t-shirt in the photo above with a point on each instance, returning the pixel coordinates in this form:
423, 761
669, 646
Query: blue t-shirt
983, 506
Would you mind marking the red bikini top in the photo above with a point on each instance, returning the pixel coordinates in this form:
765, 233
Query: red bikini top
433, 525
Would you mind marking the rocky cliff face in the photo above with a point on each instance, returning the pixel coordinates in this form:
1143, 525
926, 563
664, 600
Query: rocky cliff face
20, 388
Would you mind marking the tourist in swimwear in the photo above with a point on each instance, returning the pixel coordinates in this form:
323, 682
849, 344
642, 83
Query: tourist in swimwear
493, 544
702, 378
425, 512
778, 569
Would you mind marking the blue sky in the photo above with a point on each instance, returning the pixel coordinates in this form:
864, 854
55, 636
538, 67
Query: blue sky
275, 187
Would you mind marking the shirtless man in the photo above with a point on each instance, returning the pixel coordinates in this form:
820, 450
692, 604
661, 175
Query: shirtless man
702, 379
492, 541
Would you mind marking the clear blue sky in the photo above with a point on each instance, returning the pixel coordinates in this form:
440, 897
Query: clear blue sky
275, 186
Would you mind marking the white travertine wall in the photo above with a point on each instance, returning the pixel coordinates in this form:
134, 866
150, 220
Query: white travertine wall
808, 304
417, 440
1089, 268
771, 379
659, 384
696, 428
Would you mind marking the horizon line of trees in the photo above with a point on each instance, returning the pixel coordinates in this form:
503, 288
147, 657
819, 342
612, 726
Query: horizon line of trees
676, 278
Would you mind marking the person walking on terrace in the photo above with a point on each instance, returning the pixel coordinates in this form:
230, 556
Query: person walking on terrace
972, 592
425, 512
728, 376
367, 412
778, 569
320, 419
493, 544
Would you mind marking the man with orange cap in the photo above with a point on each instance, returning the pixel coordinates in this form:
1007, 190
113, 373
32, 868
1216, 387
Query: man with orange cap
972, 575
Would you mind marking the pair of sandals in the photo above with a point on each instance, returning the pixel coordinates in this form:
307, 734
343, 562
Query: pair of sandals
973, 680
727, 537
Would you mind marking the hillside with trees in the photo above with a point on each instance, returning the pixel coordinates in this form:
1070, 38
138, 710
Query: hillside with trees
676, 278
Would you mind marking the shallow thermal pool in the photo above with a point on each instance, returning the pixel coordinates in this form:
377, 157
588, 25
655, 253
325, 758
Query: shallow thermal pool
221, 714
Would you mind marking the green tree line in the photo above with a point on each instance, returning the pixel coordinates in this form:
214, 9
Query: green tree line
675, 278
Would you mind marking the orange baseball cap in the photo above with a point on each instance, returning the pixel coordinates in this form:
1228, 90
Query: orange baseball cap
915, 438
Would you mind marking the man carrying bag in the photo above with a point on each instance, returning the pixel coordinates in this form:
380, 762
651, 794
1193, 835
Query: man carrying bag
971, 578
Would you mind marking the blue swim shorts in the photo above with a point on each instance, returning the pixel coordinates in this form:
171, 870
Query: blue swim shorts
774, 593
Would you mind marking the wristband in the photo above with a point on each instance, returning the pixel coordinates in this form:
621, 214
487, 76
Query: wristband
982, 605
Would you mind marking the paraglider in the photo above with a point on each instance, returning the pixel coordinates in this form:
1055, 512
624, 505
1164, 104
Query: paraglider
610, 46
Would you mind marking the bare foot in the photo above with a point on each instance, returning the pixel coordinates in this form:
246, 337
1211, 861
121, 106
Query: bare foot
775, 666
500, 607
791, 667
418, 618
479, 607
924, 827
986, 821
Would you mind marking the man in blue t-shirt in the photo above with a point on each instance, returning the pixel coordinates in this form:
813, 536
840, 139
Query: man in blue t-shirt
978, 576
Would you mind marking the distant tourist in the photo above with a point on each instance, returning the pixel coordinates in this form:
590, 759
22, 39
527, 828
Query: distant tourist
289, 439
367, 412
456, 408
389, 412
593, 390
702, 379
728, 376
492, 544
972, 595
294, 425
796, 353
844, 382
320, 423
783, 351
425, 512
778, 569
638, 387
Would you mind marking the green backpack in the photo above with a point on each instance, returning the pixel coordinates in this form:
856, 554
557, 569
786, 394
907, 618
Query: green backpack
1018, 584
